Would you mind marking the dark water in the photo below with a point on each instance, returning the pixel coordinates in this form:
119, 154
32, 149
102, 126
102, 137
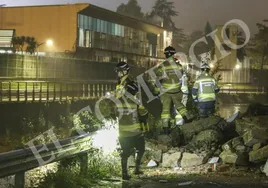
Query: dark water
226, 110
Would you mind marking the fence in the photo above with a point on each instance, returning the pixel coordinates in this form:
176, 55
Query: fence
256, 90
22, 91
56, 68
19, 161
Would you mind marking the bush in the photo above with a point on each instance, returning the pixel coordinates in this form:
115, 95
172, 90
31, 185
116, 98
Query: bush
100, 167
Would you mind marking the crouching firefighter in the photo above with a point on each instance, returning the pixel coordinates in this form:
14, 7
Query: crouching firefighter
204, 92
131, 136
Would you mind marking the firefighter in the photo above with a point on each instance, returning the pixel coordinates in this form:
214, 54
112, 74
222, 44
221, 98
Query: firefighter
204, 92
130, 133
170, 74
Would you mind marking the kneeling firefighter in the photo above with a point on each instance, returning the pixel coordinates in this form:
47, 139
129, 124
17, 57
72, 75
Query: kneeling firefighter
204, 92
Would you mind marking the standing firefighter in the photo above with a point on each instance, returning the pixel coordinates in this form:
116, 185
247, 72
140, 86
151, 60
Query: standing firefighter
130, 134
204, 92
170, 75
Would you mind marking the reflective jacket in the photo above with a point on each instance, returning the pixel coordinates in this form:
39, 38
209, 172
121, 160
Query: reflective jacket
205, 88
129, 107
169, 73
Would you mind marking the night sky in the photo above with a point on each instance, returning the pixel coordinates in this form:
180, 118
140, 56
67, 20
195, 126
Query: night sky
193, 14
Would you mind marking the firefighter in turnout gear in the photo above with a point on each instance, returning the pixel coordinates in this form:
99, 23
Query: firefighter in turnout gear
130, 133
170, 74
204, 92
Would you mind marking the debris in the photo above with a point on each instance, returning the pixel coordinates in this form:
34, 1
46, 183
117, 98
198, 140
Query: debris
254, 135
171, 160
191, 159
265, 169
213, 160
152, 163
232, 118
234, 158
164, 139
259, 155
257, 146
163, 181
185, 183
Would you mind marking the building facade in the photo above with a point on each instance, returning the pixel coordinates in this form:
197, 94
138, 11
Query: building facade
92, 32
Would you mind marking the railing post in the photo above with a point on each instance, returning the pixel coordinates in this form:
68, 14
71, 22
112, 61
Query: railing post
83, 163
88, 91
9, 91
67, 93
18, 91
54, 91
47, 91
26, 91
84, 90
98, 90
19, 180
40, 94
60, 91
1, 90
33, 92
93, 90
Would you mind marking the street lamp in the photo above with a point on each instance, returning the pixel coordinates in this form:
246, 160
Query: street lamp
237, 66
48, 42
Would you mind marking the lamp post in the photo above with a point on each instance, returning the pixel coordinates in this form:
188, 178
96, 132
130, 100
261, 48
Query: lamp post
49, 43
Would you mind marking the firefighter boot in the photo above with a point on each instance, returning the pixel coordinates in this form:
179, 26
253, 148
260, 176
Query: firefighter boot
138, 165
125, 175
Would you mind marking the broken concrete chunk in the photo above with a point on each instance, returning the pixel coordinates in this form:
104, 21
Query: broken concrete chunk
237, 141
243, 125
265, 169
255, 135
259, 155
164, 139
240, 148
257, 146
227, 146
234, 158
171, 160
190, 159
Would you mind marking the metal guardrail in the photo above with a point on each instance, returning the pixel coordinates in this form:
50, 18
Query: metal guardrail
22, 91
258, 90
19, 161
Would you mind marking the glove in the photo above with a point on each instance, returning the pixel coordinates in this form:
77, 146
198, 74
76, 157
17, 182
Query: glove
195, 100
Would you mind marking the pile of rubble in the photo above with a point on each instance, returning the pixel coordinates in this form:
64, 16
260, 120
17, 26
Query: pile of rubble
243, 142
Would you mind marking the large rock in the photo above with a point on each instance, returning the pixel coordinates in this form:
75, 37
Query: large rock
164, 139
153, 145
171, 160
255, 135
259, 155
208, 137
176, 137
234, 158
190, 129
190, 159
265, 169
247, 123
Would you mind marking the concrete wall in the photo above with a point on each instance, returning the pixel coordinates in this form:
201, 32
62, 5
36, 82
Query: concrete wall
55, 22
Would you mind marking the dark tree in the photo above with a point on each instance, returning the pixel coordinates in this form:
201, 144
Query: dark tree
132, 9
165, 10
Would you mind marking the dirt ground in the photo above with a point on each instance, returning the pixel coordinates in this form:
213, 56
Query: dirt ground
167, 179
